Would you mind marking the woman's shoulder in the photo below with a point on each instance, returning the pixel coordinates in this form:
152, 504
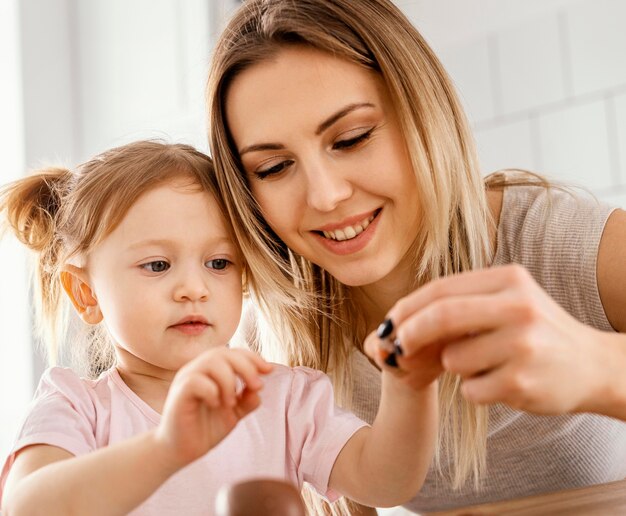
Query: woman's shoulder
539, 215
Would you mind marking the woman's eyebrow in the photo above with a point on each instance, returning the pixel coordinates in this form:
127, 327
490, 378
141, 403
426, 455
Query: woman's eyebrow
320, 129
340, 114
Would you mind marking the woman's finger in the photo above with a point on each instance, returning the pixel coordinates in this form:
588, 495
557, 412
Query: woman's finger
452, 318
482, 281
472, 356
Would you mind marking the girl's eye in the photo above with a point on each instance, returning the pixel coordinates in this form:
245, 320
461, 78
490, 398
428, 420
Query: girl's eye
156, 266
352, 142
274, 170
218, 264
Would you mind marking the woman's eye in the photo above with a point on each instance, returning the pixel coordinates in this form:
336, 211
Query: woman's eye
352, 142
156, 266
218, 264
276, 169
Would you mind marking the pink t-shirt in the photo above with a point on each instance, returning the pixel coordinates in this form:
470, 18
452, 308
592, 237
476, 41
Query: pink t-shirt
295, 435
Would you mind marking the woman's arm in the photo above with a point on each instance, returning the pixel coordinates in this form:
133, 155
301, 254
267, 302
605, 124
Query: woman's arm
512, 343
611, 272
386, 464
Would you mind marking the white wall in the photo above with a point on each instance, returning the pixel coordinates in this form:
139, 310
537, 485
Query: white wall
544, 83
16, 381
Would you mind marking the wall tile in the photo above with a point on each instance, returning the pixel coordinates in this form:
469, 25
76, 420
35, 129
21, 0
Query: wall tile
574, 147
616, 199
597, 42
619, 103
469, 67
530, 64
505, 146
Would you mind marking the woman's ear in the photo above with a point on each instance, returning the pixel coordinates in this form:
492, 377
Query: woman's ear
76, 285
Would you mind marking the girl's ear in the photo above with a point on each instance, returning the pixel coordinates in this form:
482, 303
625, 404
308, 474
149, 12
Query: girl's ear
76, 285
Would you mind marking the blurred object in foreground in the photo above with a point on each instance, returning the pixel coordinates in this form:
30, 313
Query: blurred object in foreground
261, 497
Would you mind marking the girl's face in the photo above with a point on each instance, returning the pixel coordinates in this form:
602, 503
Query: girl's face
168, 279
322, 150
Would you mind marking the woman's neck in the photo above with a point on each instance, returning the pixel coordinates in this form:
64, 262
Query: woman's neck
375, 300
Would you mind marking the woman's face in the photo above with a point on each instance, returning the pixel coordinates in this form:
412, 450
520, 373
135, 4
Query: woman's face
322, 150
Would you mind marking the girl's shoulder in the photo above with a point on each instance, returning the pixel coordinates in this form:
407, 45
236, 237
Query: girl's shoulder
63, 381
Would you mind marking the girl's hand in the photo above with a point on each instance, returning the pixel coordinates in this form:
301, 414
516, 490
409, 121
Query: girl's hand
203, 404
508, 340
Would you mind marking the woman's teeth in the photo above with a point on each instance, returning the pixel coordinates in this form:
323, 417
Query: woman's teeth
349, 232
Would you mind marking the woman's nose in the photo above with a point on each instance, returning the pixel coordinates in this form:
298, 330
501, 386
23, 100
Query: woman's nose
327, 186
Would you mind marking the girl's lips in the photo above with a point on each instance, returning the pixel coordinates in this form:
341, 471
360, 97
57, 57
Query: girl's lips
353, 245
191, 328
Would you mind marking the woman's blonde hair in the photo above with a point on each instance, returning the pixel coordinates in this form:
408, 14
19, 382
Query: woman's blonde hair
62, 215
314, 317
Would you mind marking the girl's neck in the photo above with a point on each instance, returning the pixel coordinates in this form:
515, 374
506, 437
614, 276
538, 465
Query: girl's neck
152, 390
150, 383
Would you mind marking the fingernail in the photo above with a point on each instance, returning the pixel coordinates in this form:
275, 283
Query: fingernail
391, 360
385, 329
398, 347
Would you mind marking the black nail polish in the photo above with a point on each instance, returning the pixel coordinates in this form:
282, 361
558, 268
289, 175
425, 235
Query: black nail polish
391, 360
385, 329
398, 347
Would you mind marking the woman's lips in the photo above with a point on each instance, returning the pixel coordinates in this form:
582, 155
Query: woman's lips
351, 245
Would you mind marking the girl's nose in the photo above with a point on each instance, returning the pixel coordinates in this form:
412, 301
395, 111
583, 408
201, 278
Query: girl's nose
191, 286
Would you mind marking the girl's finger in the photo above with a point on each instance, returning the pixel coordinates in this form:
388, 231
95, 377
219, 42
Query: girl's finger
201, 387
260, 364
246, 366
248, 401
222, 373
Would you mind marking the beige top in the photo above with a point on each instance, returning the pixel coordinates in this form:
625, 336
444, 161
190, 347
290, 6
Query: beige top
555, 235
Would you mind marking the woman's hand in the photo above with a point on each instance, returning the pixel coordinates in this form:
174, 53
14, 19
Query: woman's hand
204, 403
509, 342
417, 372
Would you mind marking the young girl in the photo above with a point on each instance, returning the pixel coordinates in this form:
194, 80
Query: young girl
342, 151
137, 240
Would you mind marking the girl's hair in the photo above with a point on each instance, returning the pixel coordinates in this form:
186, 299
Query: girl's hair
62, 215
318, 322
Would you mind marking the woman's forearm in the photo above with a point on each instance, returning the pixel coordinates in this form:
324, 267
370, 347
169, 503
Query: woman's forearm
609, 399
110, 481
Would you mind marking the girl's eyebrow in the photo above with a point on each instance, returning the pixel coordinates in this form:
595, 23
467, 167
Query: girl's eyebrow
332, 119
164, 242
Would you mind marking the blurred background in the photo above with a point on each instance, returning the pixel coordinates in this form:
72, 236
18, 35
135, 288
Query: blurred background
543, 82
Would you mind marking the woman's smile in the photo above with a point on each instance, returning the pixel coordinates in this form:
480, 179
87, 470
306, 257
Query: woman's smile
346, 237
333, 178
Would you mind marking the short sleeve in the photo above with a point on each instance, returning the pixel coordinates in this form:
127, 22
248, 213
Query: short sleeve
61, 414
556, 234
317, 428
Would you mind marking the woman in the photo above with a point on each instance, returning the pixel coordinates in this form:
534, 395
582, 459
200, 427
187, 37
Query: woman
344, 153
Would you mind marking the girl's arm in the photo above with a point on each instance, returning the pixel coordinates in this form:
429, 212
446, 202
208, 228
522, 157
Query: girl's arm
200, 410
111, 480
385, 465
